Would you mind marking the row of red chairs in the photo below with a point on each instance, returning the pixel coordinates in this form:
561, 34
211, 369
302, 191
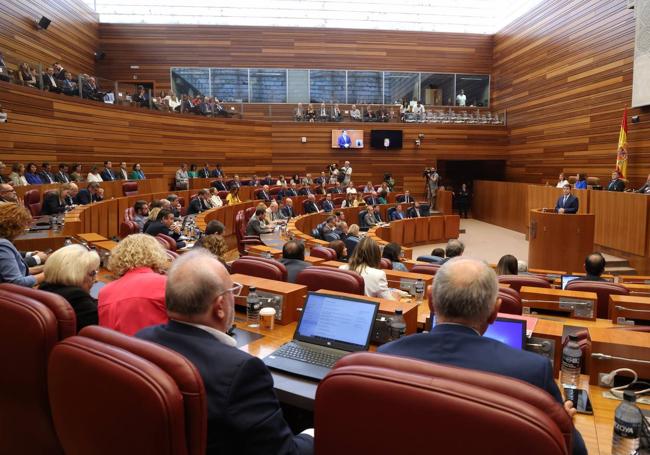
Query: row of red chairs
68, 393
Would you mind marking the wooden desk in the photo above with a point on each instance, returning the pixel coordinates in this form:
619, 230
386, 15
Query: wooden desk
595, 429
626, 309
559, 300
293, 295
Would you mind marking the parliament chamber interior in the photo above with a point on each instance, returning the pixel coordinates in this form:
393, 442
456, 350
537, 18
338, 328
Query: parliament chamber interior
321, 227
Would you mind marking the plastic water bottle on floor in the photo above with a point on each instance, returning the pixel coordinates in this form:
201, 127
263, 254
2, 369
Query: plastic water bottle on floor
571, 362
253, 307
628, 422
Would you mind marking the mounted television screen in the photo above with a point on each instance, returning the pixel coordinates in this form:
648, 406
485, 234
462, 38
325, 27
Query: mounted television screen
352, 139
386, 139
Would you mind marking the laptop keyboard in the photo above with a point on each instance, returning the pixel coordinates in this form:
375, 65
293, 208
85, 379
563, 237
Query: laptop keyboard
314, 357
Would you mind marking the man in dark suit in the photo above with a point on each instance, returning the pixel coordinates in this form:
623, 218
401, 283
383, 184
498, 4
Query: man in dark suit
328, 231
310, 205
122, 173
50, 82
373, 199
204, 172
287, 210
292, 191
406, 198
263, 193
594, 267
93, 193
200, 203
268, 180
46, 173
616, 184
376, 214
62, 176
328, 205
219, 185
59, 71
256, 225
398, 213
414, 212
293, 258
567, 203
466, 302
217, 172
107, 173
244, 415
164, 224
305, 191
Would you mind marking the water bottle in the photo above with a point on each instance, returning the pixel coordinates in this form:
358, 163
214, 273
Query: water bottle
397, 325
419, 290
68, 241
628, 422
571, 362
253, 307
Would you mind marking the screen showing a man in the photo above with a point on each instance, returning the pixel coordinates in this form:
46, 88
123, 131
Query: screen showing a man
347, 139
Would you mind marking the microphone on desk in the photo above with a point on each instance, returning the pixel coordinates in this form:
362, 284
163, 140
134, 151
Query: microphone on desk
601, 356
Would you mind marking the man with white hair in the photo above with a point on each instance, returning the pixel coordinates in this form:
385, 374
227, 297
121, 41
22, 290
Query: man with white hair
244, 415
465, 295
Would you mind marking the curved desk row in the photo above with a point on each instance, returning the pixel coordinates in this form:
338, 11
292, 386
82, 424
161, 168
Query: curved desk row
112, 189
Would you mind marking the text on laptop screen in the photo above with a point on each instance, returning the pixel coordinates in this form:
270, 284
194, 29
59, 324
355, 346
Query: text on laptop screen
507, 331
331, 318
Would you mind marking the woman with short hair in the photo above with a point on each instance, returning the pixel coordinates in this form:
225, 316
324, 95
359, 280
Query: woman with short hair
94, 176
365, 260
31, 174
14, 219
137, 298
70, 272
233, 196
17, 175
341, 250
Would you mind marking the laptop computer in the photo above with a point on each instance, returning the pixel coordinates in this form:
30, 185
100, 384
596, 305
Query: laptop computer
566, 279
330, 327
508, 331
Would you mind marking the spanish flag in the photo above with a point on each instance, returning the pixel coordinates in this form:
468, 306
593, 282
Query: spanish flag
621, 154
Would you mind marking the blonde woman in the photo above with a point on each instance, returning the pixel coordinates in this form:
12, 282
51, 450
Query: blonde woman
14, 219
70, 272
137, 298
365, 261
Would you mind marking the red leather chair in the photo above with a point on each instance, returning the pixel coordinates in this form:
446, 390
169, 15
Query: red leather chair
516, 282
427, 269
171, 255
319, 277
386, 264
130, 188
248, 213
129, 214
127, 228
240, 233
31, 323
508, 416
32, 200
260, 267
510, 301
95, 377
338, 201
329, 254
603, 290
222, 194
171, 243
360, 188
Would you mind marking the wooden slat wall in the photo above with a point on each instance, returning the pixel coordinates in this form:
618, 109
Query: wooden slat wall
564, 73
72, 37
157, 48
56, 128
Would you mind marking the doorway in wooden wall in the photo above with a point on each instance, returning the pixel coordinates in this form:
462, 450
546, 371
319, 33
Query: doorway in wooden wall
453, 173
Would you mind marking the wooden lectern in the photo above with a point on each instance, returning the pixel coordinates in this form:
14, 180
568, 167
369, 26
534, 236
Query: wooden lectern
559, 241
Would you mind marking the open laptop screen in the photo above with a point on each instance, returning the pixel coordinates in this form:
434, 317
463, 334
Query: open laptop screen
508, 331
336, 321
566, 279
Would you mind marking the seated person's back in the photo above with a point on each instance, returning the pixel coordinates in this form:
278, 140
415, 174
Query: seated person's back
244, 415
293, 258
457, 337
